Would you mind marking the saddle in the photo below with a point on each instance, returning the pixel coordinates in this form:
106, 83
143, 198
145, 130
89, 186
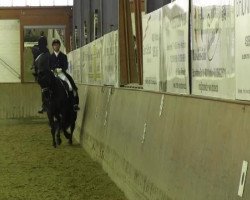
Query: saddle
60, 74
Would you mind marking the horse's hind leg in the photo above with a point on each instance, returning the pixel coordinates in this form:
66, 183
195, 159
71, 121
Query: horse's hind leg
57, 136
53, 136
72, 128
66, 134
55, 131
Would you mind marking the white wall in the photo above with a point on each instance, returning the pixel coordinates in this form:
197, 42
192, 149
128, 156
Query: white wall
10, 58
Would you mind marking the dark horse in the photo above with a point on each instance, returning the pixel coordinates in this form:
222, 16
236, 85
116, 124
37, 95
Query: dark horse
59, 107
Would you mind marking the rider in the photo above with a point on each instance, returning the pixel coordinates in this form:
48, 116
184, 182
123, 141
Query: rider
43, 68
59, 64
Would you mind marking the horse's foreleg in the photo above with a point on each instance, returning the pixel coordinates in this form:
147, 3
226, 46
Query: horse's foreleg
58, 130
53, 131
57, 136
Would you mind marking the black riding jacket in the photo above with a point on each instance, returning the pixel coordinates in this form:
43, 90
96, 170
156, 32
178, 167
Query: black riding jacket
59, 61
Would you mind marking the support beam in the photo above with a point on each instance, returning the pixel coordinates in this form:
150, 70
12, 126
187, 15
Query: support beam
127, 57
138, 26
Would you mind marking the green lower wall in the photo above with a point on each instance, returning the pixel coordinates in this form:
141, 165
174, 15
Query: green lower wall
19, 100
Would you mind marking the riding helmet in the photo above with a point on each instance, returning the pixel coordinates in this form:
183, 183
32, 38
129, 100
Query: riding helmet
56, 41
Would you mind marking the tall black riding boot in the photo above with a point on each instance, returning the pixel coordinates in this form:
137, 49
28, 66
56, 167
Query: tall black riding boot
45, 101
43, 108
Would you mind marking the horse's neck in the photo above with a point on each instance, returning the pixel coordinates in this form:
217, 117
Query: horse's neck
59, 89
39, 56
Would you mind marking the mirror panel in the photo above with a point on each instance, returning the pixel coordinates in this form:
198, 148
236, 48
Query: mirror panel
31, 36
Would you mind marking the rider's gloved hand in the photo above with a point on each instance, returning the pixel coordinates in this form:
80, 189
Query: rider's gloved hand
58, 70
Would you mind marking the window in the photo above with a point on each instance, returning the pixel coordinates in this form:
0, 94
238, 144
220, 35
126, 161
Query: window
16, 3
6, 3
19, 3
61, 2
33, 3
47, 3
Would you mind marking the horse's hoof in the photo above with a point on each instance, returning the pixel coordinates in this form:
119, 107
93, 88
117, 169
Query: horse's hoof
67, 136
